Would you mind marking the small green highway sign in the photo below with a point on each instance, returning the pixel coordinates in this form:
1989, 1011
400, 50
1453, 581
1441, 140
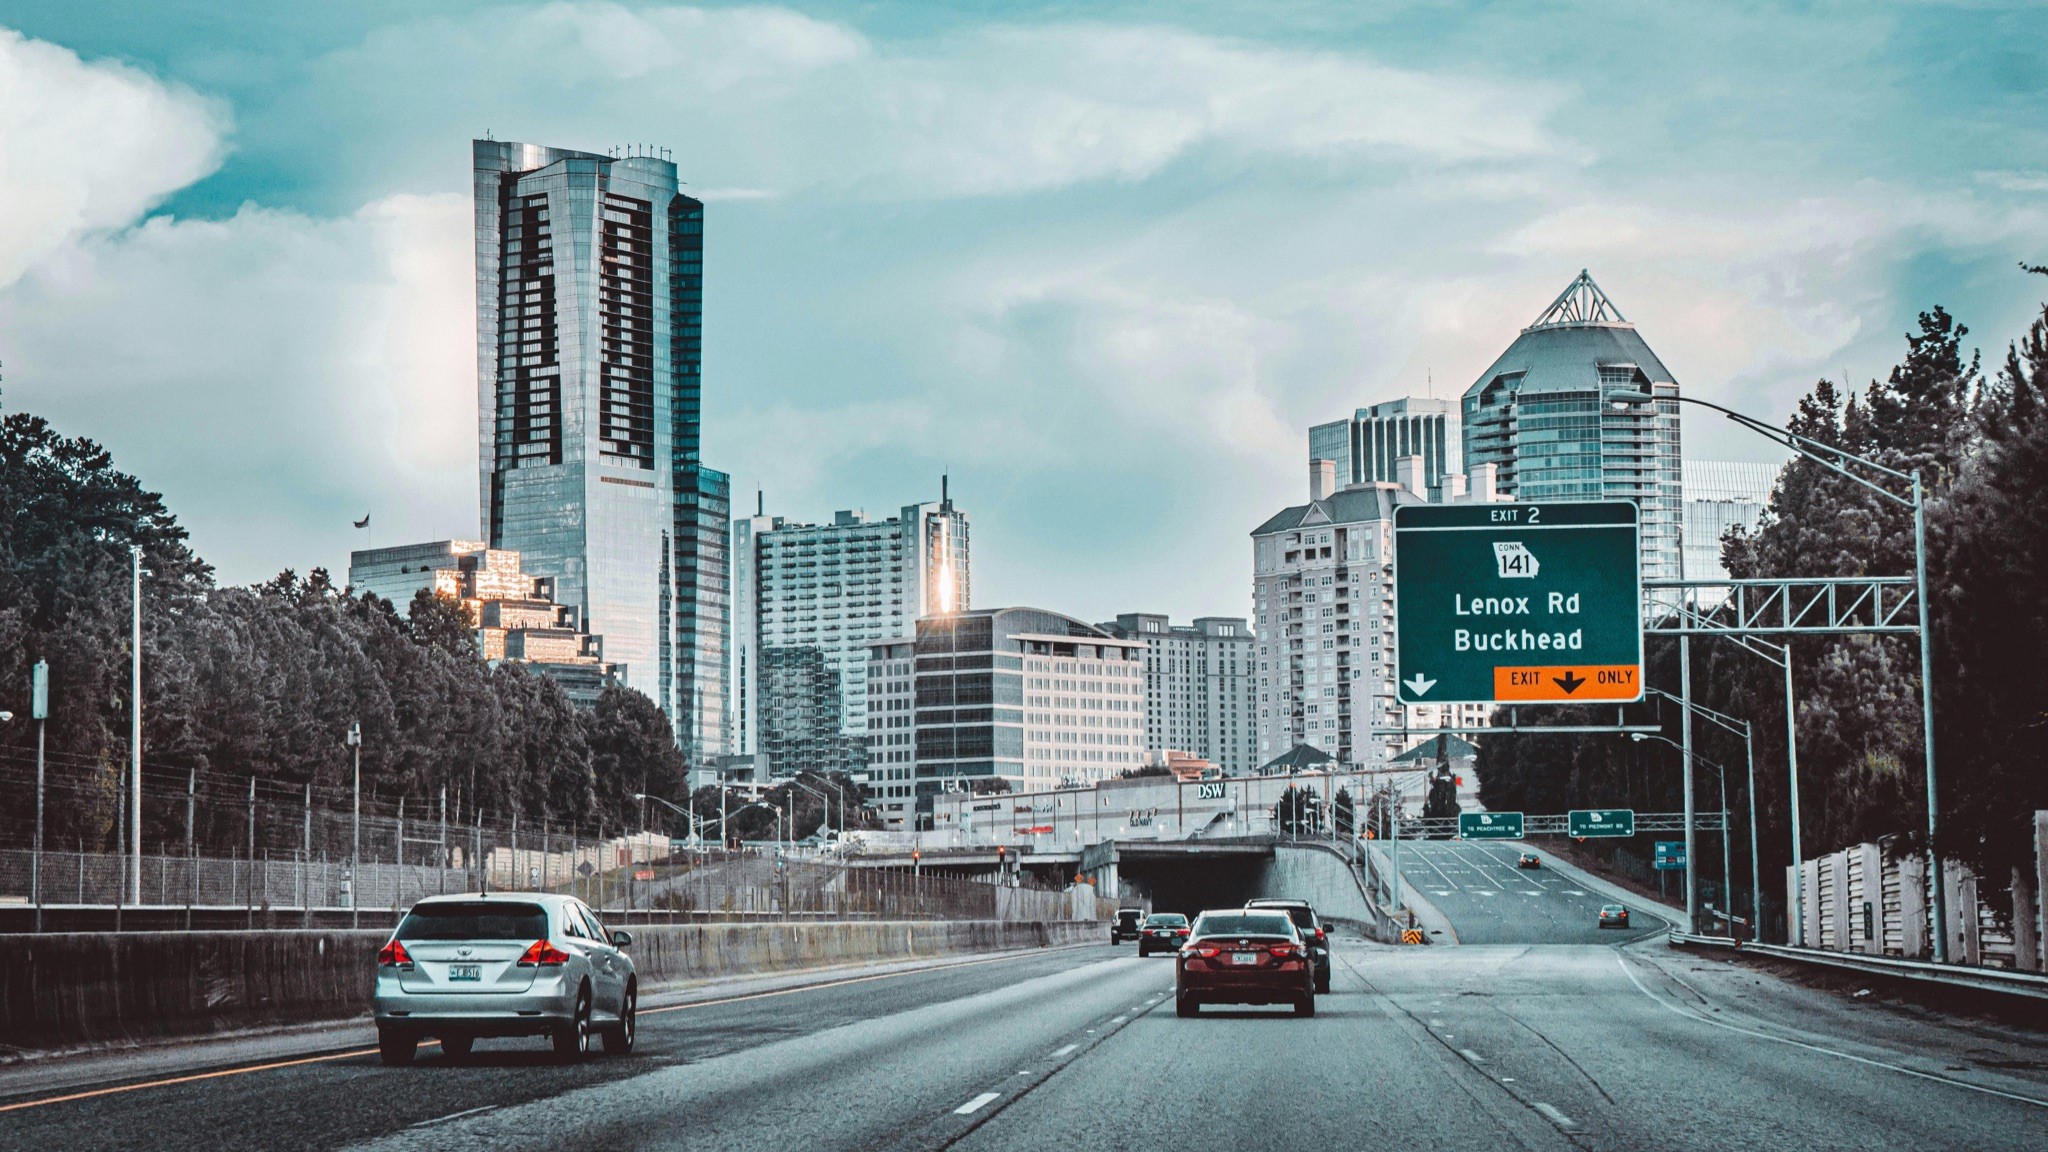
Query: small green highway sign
1517, 603
1670, 856
1582, 822
1489, 825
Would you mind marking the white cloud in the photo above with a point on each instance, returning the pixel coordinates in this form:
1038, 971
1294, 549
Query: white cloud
87, 147
272, 373
775, 100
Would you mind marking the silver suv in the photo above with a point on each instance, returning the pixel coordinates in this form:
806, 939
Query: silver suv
503, 964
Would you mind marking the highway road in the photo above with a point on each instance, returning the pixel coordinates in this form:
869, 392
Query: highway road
1489, 900
1528, 1046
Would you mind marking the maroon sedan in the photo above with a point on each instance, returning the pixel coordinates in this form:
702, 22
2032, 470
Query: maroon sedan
1244, 957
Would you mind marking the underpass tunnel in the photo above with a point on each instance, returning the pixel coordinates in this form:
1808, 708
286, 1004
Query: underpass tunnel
1192, 884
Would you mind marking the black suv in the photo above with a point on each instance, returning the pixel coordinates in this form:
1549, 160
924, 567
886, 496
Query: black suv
1313, 933
1126, 925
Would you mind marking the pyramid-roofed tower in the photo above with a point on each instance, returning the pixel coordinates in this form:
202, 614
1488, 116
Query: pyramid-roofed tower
1560, 415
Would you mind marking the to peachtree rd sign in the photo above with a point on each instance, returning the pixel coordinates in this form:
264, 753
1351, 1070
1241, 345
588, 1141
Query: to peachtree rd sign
1583, 822
1489, 825
1517, 603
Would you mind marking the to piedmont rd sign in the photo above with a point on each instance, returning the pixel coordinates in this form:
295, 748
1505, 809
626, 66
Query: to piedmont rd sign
1517, 603
1584, 822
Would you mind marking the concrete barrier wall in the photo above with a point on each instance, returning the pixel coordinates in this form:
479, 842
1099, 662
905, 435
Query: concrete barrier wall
1326, 878
70, 989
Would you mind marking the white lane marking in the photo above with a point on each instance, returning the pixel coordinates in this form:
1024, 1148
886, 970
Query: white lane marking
1900, 1068
976, 1103
1023, 1071
452, 1116
1119, 1019
1507, 1079
1532, 891
1425, 856
1469, 1054
1573, 892
1556, 1117
1064, 1051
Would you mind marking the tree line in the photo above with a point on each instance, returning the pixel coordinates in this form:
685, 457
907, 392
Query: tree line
1979, 441
265, 681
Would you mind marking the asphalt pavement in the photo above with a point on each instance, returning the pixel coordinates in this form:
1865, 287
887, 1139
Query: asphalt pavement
1479, 888
1592, 1046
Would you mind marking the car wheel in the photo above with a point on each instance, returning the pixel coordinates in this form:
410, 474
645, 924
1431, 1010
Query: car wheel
396, 1048
1323, 983
618, 1039
457, 1047
572, 1040
1185, 1005
1306, 1006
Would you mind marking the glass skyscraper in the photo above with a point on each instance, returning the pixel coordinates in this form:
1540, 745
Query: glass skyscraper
589, 353
1368, 446
1579, 408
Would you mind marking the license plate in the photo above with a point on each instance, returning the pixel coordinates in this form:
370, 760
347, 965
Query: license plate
1244, 957
465, 972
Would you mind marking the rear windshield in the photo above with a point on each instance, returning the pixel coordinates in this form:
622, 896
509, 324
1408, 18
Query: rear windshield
1170, 920
1303, 916
1129, 917
1244, 924
478, 921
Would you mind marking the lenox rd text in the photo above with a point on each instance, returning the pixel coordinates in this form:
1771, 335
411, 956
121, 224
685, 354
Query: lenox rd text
1559, 605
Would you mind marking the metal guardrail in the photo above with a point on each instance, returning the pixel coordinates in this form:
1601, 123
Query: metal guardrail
2003, 980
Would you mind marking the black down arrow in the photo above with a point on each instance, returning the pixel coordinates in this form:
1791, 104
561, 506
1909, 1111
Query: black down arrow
1570, 681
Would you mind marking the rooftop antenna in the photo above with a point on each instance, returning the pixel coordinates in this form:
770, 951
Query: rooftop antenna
945, 500
760, 503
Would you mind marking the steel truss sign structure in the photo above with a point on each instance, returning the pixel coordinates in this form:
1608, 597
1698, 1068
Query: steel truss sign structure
1447, 827
1833, 605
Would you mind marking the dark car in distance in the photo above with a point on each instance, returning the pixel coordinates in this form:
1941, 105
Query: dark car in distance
1613, 916
1529, 860
1162, 932
1126, 925
1314, 933
1244, 956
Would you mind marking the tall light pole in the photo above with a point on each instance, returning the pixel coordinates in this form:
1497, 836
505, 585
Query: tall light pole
1740, 728
39, 711
355, 853
135, 728
1812, 449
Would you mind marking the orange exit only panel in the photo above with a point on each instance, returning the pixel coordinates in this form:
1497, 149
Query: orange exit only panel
1567, 682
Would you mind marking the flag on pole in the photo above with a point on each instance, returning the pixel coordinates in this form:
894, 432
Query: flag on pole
364, 522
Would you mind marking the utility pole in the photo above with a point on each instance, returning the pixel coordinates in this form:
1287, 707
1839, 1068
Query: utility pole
39, 711
1934, 868
1795, 929
355, 855
1692, 917
135, 727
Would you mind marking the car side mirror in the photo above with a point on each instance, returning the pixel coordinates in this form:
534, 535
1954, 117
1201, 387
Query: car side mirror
621, 938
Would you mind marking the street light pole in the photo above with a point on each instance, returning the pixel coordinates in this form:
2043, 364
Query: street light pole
1812, 449
1740, 728
135, 728
355, 853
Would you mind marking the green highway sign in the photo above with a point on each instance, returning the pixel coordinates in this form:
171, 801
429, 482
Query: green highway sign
1489, 825
1583, 822
1517, 603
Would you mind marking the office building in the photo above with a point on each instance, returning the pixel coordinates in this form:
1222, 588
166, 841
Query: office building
801, 729
589, 354
1322, 586
1719, 495
1579, 408
835, 588
1200, 686
1032, 697
514, 612
1370, 446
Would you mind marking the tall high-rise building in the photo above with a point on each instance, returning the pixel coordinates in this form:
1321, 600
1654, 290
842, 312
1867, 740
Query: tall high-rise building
589, 355
835, 588
1719, 495
1579, 408
1372, 444
1200, 686
1322, 586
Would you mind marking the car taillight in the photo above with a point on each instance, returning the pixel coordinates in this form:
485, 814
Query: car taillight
1282, 949
543, 953
394, 955
1207, 952
1319, 934
1180, 931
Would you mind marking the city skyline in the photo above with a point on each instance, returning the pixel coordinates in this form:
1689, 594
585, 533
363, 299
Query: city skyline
252, 284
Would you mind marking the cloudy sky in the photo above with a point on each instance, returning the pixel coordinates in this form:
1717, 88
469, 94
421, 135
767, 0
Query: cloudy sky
1104, 263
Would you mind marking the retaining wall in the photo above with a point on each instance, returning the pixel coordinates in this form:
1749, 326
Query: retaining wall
68, 989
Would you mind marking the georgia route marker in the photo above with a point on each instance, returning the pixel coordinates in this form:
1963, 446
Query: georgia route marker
1517, 603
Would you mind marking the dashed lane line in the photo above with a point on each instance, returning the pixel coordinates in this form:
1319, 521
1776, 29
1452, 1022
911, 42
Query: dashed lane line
976, 1104
1550, 1111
